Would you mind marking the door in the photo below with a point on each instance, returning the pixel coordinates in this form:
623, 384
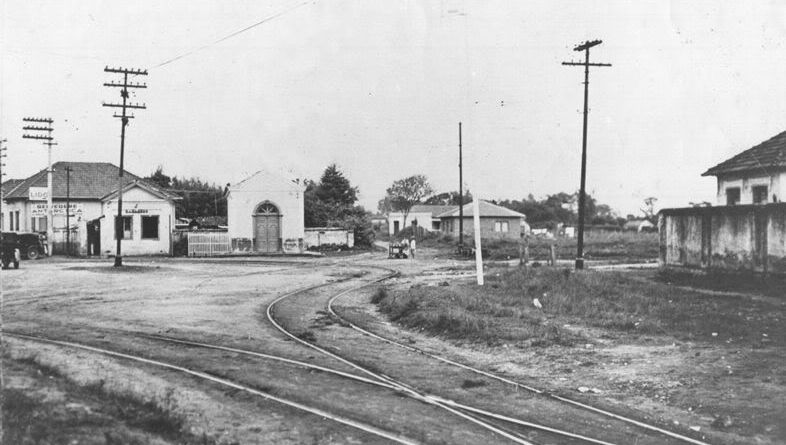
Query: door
267, 228
94, 237
395, 227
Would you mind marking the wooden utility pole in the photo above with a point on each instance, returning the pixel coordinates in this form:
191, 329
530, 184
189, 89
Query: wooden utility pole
68, 170
124, 117
461, 197
585, 47
47, 138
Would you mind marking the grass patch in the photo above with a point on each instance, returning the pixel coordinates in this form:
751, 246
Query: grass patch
469, 384
623, 303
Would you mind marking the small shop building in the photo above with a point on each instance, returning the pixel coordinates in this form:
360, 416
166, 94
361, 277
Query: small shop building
90, 192
266, 214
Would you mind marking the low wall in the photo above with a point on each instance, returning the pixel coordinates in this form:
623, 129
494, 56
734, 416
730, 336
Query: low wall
745, 237
317, 236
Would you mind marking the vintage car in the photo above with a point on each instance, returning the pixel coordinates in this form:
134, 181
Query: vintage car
31, 245
10, 252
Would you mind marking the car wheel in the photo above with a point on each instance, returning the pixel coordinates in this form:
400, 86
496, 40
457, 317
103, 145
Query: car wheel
32, 253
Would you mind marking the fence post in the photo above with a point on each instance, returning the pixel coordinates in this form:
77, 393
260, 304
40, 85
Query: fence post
552, 254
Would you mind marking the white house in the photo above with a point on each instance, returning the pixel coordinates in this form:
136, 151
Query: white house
421, 215
755, 176
91, 189
265, 214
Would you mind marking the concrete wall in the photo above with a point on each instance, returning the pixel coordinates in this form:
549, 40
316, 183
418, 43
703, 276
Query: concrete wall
451, 226
244, 198
743, 237
318, 236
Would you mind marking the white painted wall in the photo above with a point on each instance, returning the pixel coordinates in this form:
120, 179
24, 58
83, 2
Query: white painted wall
776, 185
424, 220
285, 194
137, 203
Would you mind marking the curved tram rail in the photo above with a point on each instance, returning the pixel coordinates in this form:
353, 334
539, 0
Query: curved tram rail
469, 413
507, 381
224, 382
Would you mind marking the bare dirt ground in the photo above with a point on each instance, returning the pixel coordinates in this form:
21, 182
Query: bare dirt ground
726, 391
224, 302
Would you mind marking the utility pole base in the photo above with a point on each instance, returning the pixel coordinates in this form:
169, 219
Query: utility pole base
579, 263
118, 261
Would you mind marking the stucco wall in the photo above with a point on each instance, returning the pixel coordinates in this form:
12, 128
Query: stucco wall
744, 237
245, 196
136, 204
776, 184
424, 220
320, 236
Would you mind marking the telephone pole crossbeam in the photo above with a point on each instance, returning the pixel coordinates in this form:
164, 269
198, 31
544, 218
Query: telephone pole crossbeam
124, 117
584, 47
49, 142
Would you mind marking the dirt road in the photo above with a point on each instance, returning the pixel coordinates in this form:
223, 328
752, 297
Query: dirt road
356, 389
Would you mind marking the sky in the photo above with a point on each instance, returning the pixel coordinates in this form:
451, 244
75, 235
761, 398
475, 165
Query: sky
379, 87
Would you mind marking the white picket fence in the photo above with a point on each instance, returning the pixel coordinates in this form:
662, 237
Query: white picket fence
208, 243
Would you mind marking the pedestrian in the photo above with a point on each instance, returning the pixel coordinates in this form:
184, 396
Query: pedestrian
412, 245
405, 248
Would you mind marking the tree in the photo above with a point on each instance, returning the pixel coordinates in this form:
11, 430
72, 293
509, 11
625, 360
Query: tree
335, 189
649, 210
407, 192
199, 198
449, 198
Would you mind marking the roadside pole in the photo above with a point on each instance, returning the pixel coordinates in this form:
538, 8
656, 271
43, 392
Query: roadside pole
478, 250
36, 124
68, 211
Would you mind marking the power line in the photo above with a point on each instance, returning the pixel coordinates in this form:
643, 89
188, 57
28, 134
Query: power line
233, 34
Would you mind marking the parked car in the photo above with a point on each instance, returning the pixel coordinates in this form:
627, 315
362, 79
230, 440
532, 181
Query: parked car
32, 245
10, 251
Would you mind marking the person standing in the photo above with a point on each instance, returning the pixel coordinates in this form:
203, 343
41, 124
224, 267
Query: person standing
412, 245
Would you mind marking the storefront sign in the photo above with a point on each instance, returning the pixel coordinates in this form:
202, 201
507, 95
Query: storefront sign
38, 194
134, 211
58, 208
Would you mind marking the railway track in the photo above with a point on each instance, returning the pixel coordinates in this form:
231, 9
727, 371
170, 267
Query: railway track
509, 427
507, 381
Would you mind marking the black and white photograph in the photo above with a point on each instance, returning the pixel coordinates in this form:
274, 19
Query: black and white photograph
445, 222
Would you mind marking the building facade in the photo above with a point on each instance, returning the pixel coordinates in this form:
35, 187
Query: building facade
421, 215
755, 176
90, 193
266, 214
496, 222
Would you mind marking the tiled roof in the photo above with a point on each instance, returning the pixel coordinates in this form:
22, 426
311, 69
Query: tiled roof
10, 184
767, 157
487, 210
89, 180
435, 210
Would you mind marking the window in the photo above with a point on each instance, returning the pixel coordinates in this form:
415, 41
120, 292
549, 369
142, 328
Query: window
759, 194
126, 228
150, 227
732, 196
10, 221
16, 223
501, 226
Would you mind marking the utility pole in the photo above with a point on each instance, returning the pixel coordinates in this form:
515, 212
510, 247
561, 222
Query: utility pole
124, 117
585, 47
2, 173
68, 170
461, 197
39, 125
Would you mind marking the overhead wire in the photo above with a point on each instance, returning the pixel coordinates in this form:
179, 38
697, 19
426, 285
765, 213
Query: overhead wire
235, 33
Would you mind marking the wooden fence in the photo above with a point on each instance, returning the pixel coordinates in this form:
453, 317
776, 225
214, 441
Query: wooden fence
208, 243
